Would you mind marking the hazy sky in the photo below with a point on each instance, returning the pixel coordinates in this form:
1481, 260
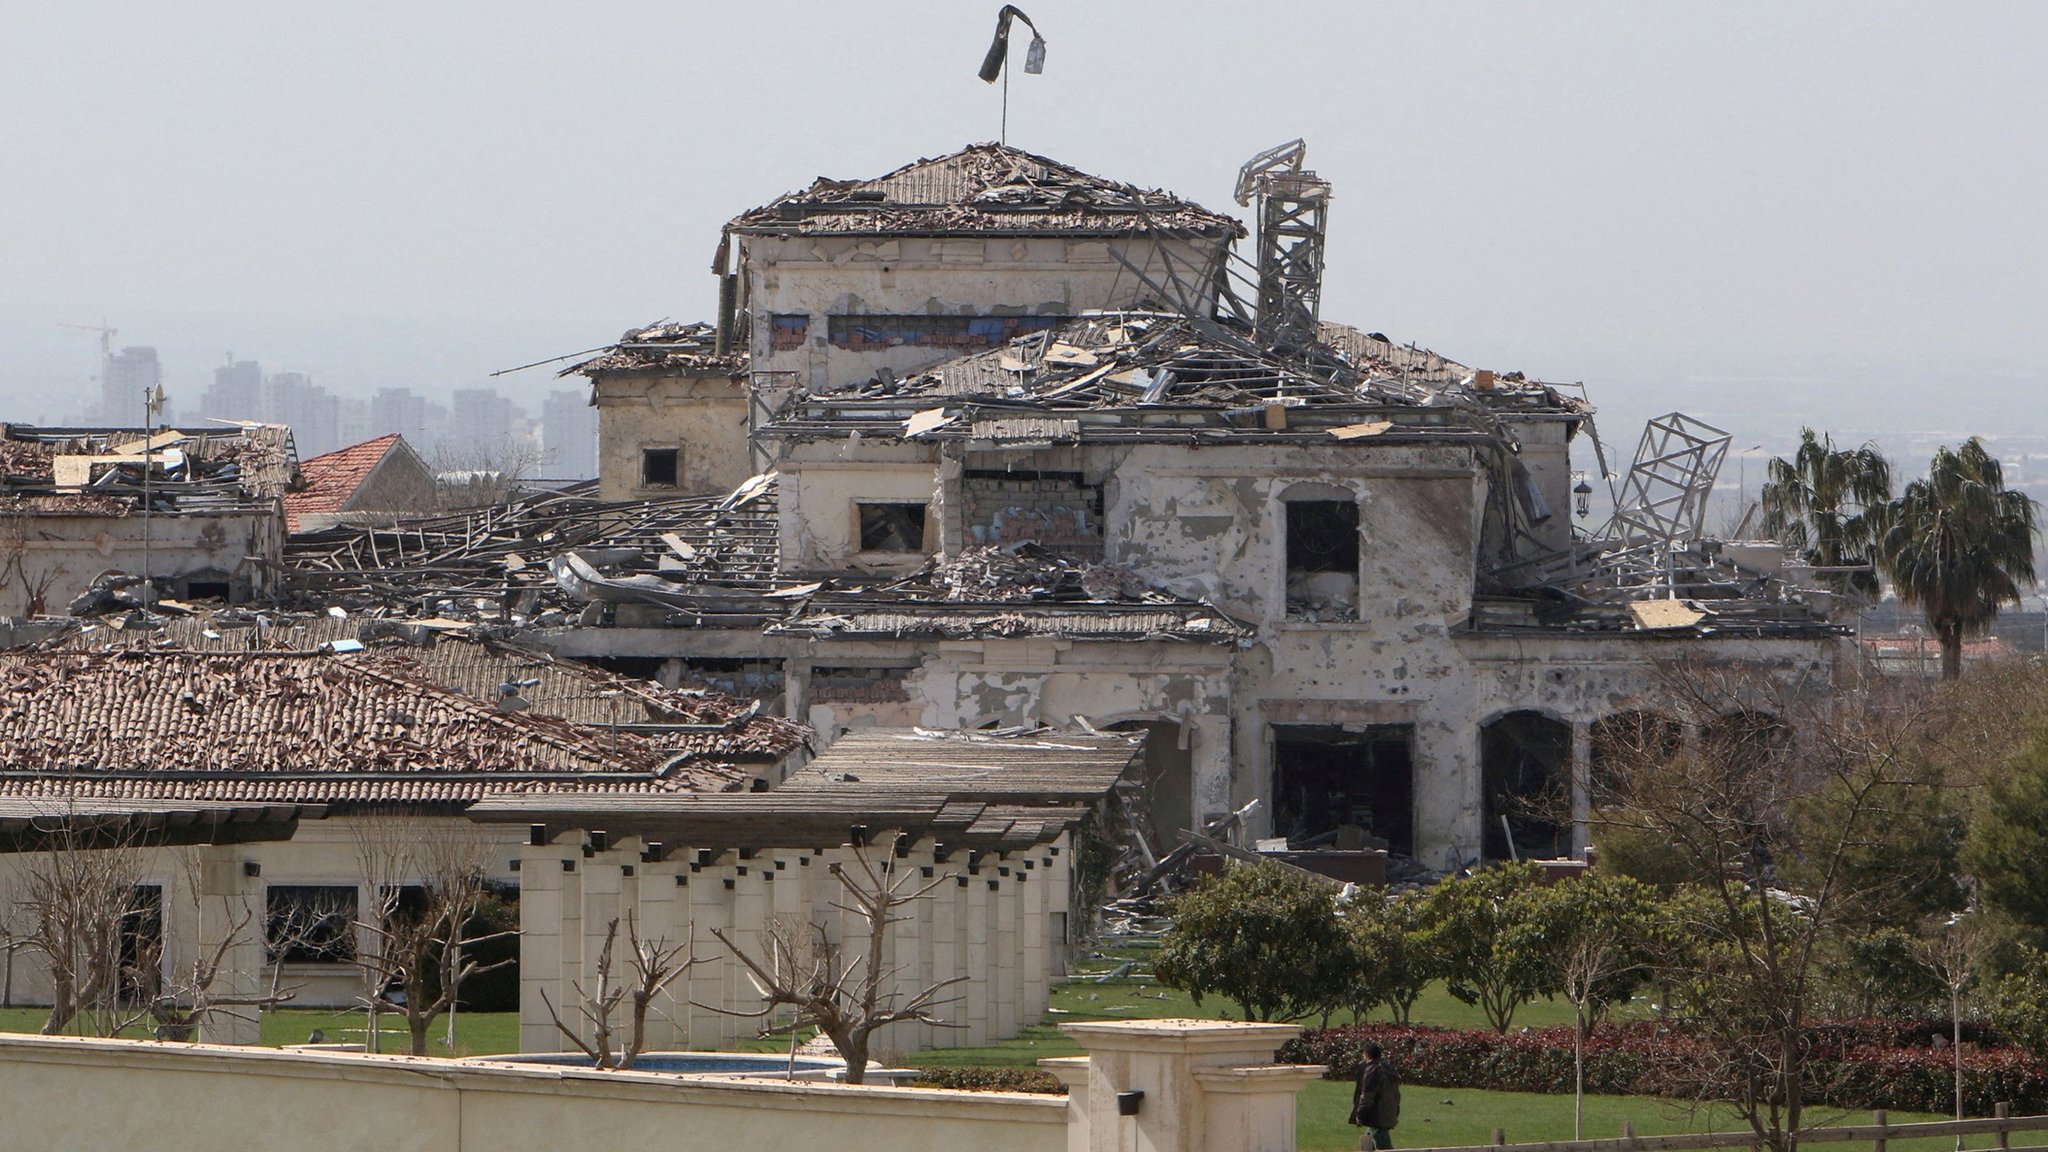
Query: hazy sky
1761, 213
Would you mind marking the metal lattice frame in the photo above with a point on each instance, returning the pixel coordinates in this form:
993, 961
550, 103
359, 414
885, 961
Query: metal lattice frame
1294, 213
1662, 507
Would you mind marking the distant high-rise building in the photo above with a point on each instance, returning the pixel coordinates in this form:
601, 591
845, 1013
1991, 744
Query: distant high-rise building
314, 415
237, 392
568, 433
482, 417
422, 422
125, 377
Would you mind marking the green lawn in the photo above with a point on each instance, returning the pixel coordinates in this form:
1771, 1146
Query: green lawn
1429, 1116
476, 1033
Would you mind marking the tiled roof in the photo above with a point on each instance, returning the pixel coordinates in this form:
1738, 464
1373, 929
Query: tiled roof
331, 480
983, 188
663, 349
191, 469
678, 722
296, 727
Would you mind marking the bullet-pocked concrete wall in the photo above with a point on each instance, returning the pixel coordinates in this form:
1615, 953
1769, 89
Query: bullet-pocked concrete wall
1210, 524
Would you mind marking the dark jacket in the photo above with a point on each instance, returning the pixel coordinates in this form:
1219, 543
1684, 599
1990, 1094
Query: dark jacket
1376, 1102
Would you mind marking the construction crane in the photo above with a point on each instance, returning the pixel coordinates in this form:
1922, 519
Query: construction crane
1294, 213
106, 336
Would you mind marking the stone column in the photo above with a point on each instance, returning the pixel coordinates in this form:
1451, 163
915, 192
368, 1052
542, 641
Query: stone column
603, 878
947, 958
1208, 1086
1005, 970
1582, 784
977, 946
231, 909
1072, 1071
1058, 862
658, 905
541, 917
1034, 989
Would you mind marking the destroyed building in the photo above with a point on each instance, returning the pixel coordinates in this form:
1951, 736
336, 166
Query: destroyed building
1324, 570
194, 509
1022, 446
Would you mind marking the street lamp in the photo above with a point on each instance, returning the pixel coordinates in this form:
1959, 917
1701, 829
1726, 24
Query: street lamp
1582, 497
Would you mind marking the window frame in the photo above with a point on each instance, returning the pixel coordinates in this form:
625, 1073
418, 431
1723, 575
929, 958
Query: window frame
675, 454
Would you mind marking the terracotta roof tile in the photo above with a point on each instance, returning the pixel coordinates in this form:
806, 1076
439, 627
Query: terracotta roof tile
300, 727
331, 480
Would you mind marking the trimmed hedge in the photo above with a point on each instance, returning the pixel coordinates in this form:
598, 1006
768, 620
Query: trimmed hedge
1855, 1065
977, 1078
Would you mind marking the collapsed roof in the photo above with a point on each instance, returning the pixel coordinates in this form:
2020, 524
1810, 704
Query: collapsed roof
1129, 375
101, 471
984, 188
663, 349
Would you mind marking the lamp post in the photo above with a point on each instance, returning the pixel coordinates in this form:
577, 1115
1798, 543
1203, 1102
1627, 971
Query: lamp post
1582, 496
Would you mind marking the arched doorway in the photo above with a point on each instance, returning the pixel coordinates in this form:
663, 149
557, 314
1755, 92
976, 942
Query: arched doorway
1625, 744
1525, 784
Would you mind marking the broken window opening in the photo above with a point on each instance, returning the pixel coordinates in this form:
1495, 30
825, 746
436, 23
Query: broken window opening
893, 527
660, 467
851, 685
865, 333
1327, 778
309, 923
221, 590
1169, 782
1525, 772
787, 332
1055, 510
1322, 559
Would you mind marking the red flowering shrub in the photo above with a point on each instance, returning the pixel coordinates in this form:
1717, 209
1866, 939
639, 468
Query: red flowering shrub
1855, 1065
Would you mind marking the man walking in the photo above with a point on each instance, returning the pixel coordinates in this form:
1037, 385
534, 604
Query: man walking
1376, 1102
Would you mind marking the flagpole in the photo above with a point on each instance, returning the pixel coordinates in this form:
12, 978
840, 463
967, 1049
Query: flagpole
1004, 138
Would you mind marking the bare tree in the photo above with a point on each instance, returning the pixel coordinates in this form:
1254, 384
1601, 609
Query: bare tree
425, 881
33, 583
1782, 812
181, 999
475, 474
849, 998
79, 889
654, 965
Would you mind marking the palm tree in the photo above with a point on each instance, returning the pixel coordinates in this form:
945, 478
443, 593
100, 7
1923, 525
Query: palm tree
1959, 544
1827, 503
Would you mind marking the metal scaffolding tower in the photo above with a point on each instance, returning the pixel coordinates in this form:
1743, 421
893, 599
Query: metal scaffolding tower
1294, 213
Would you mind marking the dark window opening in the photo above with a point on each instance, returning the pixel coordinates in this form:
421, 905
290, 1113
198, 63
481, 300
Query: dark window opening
142, 944
1328, 778
1322, 559
1169, 781
1626, 744
310, 923
221, 590
861, 333
635, 667
1525, 776
748, 679
786, 333
660, 467
892, 527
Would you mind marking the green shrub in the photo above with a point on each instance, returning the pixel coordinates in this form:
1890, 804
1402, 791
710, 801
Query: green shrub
980, 1078
1265, 936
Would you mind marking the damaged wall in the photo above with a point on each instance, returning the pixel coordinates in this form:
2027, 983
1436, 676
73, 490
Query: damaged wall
703, 417
819, 277
46, 560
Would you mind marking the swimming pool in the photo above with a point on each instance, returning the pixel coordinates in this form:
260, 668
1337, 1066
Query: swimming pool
693, 1063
